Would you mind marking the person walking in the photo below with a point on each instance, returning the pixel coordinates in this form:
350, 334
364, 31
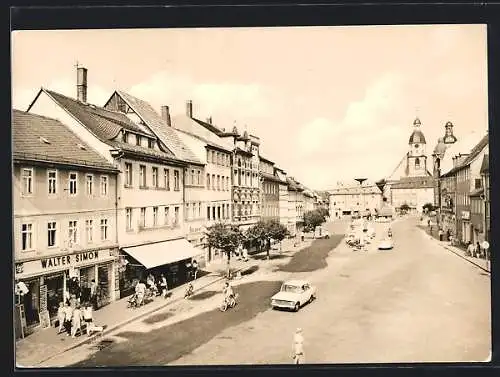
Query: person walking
68, 314
471, 252
194, 266
479, 254
93, 294
76, 321
163, 286
298, 347
61, 315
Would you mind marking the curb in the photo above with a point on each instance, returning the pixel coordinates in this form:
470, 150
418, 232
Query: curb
457, 254
137, 317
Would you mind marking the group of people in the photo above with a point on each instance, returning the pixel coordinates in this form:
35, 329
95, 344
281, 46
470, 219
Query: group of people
72, 316
475, 250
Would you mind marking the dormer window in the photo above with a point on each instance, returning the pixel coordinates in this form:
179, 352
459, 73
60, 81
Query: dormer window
81, 146
151, 143
138, 140
125, 137
44, 140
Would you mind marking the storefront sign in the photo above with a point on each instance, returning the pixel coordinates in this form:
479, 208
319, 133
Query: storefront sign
63, 262
465, 215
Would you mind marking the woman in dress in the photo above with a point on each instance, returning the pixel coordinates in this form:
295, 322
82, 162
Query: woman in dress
76, 323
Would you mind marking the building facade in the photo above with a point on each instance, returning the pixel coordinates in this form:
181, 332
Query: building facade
150, 198
64, 199
355, 199
270, 190
283, 197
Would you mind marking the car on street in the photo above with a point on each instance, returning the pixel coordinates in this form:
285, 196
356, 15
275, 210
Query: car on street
386, 244
293, 295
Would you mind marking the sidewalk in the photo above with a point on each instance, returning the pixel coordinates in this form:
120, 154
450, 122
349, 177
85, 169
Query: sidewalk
479, 262
45, 344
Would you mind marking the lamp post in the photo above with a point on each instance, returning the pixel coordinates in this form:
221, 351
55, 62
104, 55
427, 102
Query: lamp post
437, 176
360, 181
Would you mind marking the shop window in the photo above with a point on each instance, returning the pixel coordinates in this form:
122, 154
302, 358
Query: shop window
52, 234
104, 185
104, 229
73, 183
52, 181
27, 237
89, 230
27, 177
55, 293
31, 302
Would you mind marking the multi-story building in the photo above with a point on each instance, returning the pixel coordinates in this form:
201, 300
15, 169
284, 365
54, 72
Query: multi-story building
356, 199
485, 174
150, 187
283, 196
64, 197
309, 200
270, 190
295, 206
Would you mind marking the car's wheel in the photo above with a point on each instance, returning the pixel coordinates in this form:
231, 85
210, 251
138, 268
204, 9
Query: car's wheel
296, 307
313, 297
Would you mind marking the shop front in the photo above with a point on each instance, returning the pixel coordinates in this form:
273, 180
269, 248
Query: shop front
171, 258
52, 280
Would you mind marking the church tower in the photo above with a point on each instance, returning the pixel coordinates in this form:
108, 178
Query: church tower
416, 160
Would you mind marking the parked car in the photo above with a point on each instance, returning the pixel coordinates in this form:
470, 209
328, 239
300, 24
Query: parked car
293, 295
386, 244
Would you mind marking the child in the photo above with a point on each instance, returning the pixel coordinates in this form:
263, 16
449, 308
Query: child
87, 317
76, 323
68, 312
61, 315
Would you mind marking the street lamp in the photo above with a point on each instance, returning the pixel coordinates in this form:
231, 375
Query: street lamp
437, 176
360, 181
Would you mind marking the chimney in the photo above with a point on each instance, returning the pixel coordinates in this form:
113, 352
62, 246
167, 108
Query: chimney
209, 120
81, 84
189, 108
165, 114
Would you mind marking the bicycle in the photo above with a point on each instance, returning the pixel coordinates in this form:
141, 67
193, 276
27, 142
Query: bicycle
229, 303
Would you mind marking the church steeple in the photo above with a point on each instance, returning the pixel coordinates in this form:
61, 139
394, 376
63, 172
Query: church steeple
416, 160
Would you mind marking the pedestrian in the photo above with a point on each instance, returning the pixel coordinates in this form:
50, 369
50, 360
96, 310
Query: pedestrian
298, 347
195, 268
448, 235
76, 321
440, 234
61, 315
188, 270
479, 254
68, 312
87, 317
471, 252
163, 286
93, 294
140, 291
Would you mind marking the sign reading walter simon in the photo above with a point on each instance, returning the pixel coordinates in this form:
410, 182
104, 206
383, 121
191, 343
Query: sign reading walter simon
69, 260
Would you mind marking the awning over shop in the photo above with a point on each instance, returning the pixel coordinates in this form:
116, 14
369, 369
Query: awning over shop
162, 253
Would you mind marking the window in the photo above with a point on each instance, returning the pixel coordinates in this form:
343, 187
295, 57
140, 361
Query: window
198, 180
213, 157
51, 234
199, 210
166, 216
138, 140
89, 230
155, 216
72, 232
194, 211
128, 174
176, 180
52, 181
213, 213
227, 183
26, 237
142, 175
218, 212
155, 177
208, 181
223, 211
151, 143
27, 176
417, 163
227, 212
208, 155
104, 185
166, 175
239, 178
187, 211
125, 137
192, 177
176, 216
208, 212
104, 229
89, 184
218, 182
128, 213
142, 220
477, 183
73, 180
213, 181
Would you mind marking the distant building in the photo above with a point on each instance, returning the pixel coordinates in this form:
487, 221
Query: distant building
354, 199
270, 190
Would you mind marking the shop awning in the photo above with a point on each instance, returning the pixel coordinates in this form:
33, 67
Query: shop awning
162, 253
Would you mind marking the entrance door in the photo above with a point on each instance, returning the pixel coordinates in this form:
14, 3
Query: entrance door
31, 301
103, 284
55, 293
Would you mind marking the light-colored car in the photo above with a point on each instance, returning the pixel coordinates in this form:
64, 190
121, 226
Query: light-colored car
386, 244
293, 295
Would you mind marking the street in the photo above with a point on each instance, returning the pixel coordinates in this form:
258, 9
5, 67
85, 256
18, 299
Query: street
417, 302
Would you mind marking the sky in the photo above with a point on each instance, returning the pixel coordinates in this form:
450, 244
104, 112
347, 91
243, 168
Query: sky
329, 104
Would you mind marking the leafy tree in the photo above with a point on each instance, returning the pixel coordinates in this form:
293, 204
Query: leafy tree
428, 207
324, 212
404, 207
313, 219
278, 232
226, 238
264, 231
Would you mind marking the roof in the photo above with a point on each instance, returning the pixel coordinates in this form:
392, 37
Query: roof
105, 124
413, 183
355, 190
39, 138
212, 128
464, 144
208, 142
293, 185
474, 152
270, 177
238, 149
485, 165
158, 125
265, 159
417, 136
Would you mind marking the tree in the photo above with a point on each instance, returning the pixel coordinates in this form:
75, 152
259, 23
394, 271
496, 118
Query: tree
324, 212
428, 207
226, 238
404, 207
264, 231
313, 219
